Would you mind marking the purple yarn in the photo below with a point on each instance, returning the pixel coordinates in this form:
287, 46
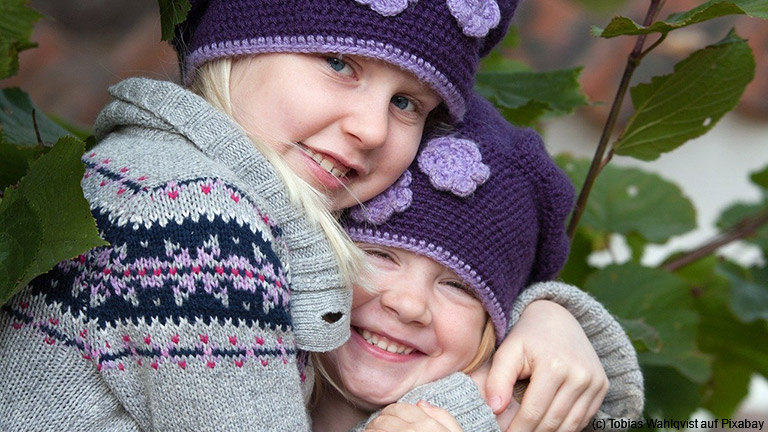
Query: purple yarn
425, 37
397, 198
423, 70
464, 271
387, 7
476, 17
507, 233
454, 164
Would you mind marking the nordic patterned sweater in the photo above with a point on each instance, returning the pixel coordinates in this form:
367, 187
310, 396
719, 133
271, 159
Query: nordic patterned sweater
192, 318
183, 323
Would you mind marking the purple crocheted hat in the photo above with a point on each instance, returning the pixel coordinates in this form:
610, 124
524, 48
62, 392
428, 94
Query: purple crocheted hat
487, 202
439, 41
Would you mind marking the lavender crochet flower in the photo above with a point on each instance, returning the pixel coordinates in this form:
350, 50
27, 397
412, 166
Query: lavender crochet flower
381, 207
387, 7
476, 17
454, 164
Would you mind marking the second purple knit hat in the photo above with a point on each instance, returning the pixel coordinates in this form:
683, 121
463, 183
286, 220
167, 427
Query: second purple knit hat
487, 202
439, 41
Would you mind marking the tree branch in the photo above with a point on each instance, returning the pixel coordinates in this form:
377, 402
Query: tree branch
597, 161
745, 228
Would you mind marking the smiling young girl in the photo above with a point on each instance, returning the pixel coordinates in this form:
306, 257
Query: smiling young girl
477, 217
224, 259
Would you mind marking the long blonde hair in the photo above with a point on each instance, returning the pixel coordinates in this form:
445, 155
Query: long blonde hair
212, 82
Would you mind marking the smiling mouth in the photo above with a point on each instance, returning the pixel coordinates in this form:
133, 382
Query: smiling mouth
327, 163
384, 343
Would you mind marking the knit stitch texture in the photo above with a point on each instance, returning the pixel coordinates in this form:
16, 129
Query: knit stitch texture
438, 41
191, 319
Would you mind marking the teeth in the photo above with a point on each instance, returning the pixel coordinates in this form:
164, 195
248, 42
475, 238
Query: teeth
383, 343
325, 163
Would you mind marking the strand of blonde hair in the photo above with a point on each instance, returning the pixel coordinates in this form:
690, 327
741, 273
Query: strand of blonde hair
212, 83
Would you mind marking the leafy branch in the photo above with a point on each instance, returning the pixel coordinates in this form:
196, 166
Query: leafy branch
697, 321
597, 162
743, 229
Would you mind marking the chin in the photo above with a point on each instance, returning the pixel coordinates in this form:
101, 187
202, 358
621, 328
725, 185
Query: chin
371, 401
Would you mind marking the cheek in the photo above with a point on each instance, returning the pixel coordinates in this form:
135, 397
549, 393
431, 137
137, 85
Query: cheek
460, 334
361, 296
392, 163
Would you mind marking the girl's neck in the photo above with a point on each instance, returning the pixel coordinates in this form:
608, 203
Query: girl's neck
334, 413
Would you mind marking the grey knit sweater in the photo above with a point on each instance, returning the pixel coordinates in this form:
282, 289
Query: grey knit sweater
192, 318
183, 323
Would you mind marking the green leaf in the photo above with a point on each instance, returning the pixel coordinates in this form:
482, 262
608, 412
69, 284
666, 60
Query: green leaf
760, 178
16, 23
51, 192
636, 245
730, 341
172, 13
675, 108
643, 336
17, 124
15, 161
498, 61
749, 291
740, 211
631, 202
729, 387
577, 268
670, 395
660, 300
20, 240
530, 95
712, 9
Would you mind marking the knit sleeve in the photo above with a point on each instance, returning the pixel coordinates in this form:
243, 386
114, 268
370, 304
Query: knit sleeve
625, 397
457, 394
184, 319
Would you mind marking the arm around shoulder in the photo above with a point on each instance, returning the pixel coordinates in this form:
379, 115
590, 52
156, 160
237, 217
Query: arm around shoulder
625, 397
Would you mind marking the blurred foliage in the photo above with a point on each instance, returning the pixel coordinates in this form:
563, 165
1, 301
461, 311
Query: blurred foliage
700, 326
44, 217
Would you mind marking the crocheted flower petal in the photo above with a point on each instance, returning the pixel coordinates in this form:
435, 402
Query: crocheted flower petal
481, 173
387, 7
476, 17
453, 164
381, 207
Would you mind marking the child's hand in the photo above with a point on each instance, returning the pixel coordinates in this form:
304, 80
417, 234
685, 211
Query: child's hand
422, 417
503, 417
567, 382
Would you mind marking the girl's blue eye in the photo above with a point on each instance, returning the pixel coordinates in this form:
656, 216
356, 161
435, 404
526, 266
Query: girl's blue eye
403, 103
339, 65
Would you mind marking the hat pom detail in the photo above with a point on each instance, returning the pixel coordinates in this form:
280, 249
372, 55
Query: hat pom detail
379, 209
453, 164
387, 7
476, 17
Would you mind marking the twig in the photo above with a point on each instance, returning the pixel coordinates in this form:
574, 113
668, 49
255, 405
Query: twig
597, 162
654, 45
37, 129
745, 228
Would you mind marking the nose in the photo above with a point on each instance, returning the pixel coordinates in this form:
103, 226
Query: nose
409, 302
368, 121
